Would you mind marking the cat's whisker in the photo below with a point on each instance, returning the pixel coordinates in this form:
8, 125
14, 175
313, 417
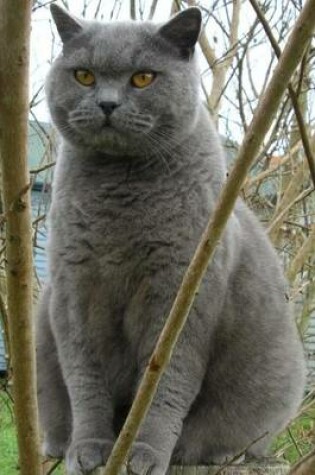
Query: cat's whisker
169, 137
157, 149
173, 144
168, 145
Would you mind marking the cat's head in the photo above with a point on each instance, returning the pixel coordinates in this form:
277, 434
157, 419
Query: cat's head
125, 87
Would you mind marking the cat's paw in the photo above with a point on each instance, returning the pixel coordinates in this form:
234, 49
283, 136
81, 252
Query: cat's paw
144, 460
85, 455
54, 448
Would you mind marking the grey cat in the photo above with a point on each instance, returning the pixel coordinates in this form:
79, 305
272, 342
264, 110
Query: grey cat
138, 174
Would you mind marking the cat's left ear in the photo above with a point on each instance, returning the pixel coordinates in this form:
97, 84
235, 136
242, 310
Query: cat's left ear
183, 30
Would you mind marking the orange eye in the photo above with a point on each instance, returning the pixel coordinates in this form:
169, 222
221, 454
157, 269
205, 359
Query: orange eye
84, 77
142, 79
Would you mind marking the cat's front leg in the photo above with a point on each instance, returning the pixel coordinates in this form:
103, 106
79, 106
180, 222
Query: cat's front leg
162, 428
86, 380
176, 393
53, 399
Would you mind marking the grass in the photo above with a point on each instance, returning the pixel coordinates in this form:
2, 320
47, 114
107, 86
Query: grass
292, 444
299, 438
8, 441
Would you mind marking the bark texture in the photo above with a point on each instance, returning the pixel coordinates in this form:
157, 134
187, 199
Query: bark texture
15, 16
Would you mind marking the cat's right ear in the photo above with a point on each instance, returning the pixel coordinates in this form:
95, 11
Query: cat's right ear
183, 30
67, 25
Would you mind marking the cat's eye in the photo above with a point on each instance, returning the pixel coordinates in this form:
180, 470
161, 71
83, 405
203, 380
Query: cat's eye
142, 79
84, 77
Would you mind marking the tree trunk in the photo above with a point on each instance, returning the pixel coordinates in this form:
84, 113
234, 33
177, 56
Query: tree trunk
15, 18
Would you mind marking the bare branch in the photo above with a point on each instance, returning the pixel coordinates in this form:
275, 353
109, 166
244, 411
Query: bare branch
307, 250
273, 168
276, 223
220, 68
133, 9
293, 96
153, 9
97, 9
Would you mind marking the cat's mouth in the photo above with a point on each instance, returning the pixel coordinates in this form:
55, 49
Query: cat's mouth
107, 122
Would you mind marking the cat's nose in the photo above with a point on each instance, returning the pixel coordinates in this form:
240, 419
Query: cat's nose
108, 106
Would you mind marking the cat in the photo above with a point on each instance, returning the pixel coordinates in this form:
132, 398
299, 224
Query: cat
138, 174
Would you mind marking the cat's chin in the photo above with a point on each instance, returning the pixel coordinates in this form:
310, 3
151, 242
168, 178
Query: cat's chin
120, 146
107, 141
114, 143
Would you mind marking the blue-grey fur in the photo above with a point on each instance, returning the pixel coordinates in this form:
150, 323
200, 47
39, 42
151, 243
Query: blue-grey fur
132, 194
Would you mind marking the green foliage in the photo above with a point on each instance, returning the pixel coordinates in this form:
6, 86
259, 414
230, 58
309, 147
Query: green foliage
8, 441
298, 439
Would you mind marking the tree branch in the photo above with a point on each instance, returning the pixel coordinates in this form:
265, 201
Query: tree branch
307, 250
133, 9
250, 181
152, 9
220, 68
288, 200
276, 223
293, 96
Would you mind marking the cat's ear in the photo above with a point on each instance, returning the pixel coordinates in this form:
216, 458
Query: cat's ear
183, 30
67, 25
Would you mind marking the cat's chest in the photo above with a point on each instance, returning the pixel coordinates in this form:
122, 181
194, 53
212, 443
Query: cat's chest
113, 225
115, 214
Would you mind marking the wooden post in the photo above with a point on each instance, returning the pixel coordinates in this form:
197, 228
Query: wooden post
251, 468
15, 20
266, 467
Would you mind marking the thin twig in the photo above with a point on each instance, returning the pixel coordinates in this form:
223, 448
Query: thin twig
297, 448
133, 9
5, 322
305, 251
41, 5
97, 9
152, 9
280, 216
273, 168
240, 454
220, 68
54, 467
35, 171
38, 219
